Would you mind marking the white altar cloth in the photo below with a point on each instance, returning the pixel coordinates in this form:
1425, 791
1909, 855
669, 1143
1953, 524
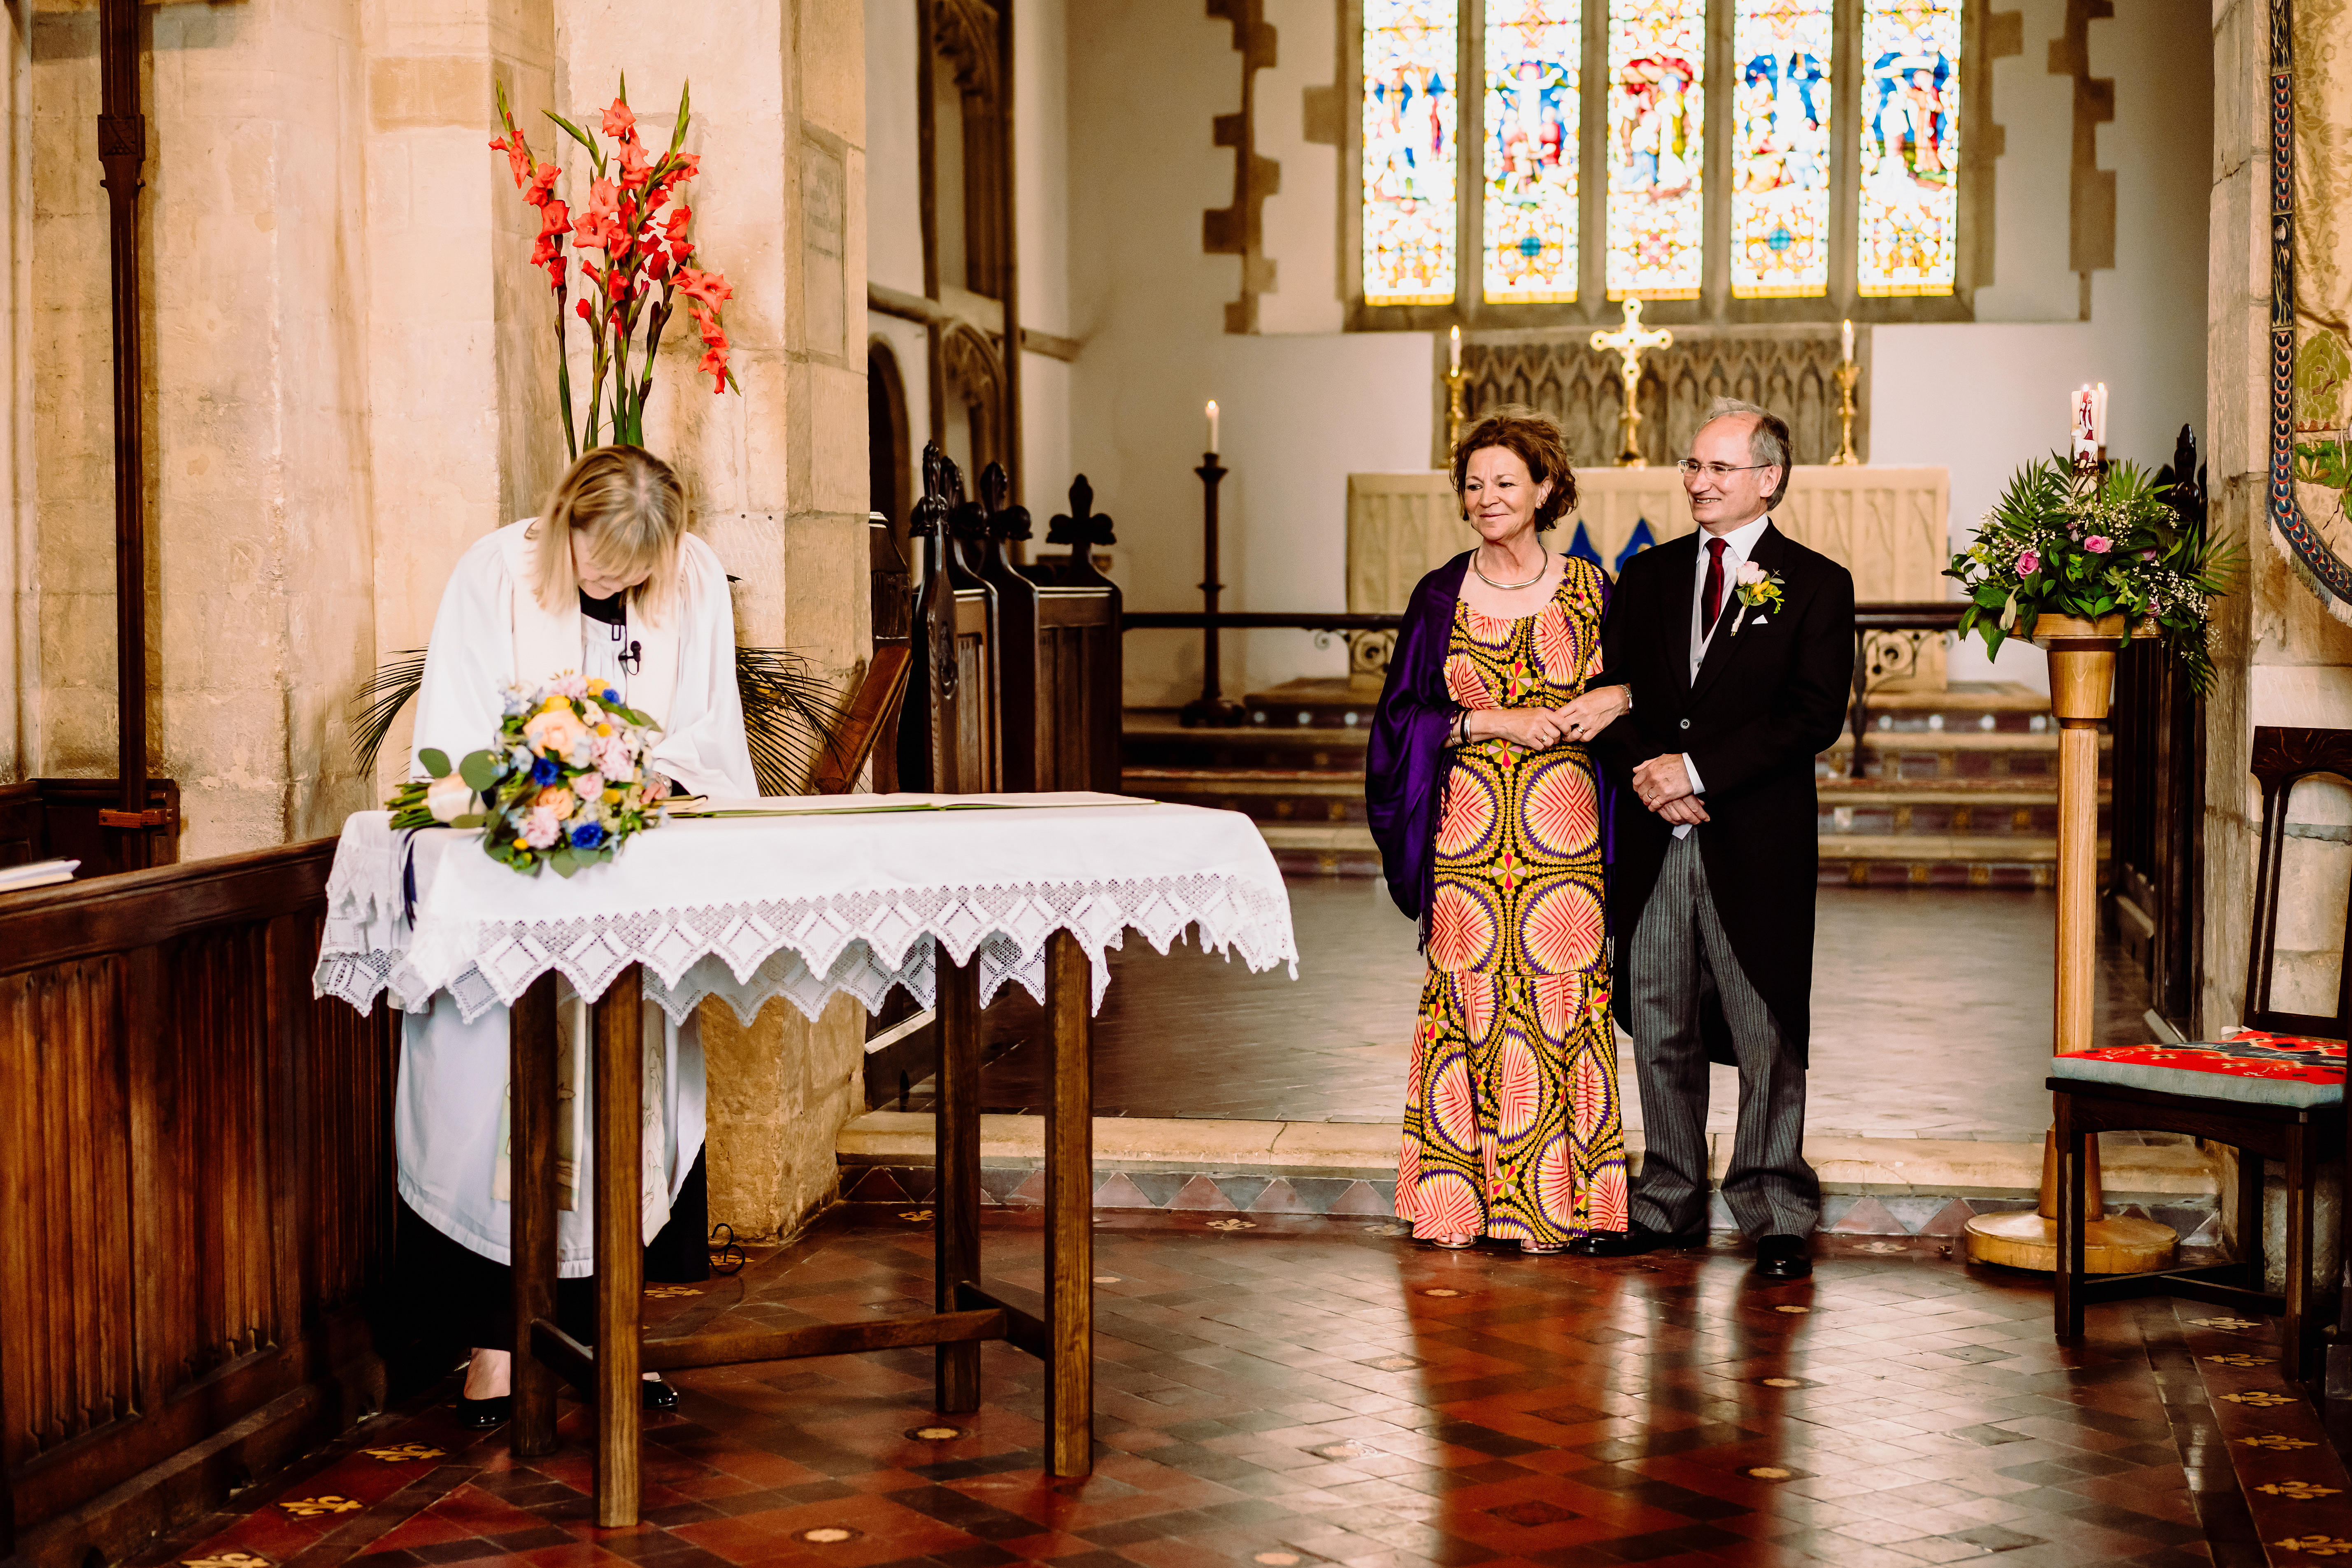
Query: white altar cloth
801, 907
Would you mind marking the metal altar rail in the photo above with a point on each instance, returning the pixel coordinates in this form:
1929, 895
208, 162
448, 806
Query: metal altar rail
1888, 639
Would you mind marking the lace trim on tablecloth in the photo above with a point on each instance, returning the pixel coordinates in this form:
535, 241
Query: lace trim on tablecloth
805, 949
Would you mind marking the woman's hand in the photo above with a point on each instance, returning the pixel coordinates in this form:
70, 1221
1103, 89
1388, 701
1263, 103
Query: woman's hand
1588, 715
1532, 728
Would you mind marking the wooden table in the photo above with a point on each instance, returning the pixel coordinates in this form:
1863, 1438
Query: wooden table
805, 905
1057, 1331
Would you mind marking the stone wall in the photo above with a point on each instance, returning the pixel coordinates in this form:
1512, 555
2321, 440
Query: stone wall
350, 379
2283, 660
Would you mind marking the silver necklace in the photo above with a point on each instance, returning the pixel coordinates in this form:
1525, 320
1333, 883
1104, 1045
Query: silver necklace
1512, 587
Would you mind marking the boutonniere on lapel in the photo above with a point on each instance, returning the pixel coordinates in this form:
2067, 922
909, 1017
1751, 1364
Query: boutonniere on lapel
1757, 590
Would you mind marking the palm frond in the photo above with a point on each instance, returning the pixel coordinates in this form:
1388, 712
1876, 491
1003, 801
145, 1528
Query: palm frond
790, 716
379, 702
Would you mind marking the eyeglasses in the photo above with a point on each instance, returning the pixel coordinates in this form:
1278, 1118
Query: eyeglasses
1716, 471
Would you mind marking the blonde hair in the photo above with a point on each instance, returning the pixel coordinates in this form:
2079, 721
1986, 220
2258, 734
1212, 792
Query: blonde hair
632, 510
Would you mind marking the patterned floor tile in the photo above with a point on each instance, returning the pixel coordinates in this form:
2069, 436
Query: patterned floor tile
1320, 1389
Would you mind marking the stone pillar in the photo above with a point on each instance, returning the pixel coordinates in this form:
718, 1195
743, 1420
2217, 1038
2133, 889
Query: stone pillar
462, 421
779, 473
2281, 658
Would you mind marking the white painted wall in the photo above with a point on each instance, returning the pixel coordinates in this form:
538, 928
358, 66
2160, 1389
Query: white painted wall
894, 210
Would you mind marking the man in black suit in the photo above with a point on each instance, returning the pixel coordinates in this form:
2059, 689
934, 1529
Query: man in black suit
1737, 644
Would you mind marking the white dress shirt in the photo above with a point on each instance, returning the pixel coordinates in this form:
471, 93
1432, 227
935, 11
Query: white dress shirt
1738, 544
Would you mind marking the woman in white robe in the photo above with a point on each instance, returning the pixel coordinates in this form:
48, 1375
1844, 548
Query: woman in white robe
628, 598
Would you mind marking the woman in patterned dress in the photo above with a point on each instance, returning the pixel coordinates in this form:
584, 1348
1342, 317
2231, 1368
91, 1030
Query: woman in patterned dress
1489, 815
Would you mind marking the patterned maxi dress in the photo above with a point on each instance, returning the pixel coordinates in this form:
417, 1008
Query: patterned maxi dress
1511, 1124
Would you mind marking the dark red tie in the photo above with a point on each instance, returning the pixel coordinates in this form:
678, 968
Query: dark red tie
1712, 606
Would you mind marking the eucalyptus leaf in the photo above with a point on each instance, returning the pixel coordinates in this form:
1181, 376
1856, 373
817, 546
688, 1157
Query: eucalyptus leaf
471, 819
436, 763
565, 864
480, 770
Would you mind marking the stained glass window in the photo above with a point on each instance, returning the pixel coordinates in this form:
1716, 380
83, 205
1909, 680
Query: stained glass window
1409, 110
1657, 92
1534, 52
1910, 145
1780, 149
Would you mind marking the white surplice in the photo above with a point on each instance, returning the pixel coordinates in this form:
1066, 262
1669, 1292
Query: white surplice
450, 1109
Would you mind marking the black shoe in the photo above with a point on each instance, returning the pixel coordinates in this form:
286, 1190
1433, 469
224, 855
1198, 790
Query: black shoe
481, 1414
1781, 1259
1632, 1243
660, 1396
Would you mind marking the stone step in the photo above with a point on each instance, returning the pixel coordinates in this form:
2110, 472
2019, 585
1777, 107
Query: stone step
1871, 1187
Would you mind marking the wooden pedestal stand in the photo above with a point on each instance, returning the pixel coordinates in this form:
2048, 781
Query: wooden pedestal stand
2082, 680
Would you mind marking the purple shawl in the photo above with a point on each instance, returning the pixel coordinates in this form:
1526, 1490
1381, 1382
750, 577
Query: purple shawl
1406, 762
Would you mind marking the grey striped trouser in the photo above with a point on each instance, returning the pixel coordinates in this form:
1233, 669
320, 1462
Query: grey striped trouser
1678, 955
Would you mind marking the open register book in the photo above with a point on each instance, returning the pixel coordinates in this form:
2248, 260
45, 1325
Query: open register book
694, 806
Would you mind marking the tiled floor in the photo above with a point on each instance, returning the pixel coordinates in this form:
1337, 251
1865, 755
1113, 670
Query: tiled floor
1931, 1019
1288, 1391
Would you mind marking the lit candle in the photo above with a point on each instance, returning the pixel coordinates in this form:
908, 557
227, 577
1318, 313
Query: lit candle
2082, 415
1845, 342
2099, 415
1453, 350
1213, 426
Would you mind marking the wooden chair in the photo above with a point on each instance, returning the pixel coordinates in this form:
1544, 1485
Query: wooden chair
2273, 1091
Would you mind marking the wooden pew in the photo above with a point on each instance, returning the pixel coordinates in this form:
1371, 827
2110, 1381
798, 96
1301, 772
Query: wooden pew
1080, 673
196, 1198
948, 739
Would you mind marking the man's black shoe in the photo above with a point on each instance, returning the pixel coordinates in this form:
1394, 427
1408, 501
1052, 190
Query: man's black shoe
660, 1396
1781, 1259
1632, 1243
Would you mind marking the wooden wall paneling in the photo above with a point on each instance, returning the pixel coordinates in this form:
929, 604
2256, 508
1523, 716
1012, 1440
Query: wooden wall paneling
196, 1195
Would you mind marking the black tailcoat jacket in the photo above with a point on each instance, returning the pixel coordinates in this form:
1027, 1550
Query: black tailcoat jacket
1767, 700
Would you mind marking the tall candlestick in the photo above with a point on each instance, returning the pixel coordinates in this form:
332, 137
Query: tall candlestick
1454, 348
1213, 426
1846, 342
1212, 706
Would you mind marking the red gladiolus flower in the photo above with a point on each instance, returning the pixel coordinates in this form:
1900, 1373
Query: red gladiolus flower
542, 185
635, 166
710, 287
621, 120
518, 156
714, 365
675, 221
554, 218
585, 314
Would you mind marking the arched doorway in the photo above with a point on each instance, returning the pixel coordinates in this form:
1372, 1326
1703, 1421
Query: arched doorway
890, 456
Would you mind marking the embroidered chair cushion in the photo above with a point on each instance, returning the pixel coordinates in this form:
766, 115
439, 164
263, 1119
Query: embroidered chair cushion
2253, 1066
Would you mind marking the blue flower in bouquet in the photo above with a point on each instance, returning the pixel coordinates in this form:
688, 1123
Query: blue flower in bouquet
588, 836
545, 770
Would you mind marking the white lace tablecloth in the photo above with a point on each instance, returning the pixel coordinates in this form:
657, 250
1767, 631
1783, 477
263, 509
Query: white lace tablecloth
799, 907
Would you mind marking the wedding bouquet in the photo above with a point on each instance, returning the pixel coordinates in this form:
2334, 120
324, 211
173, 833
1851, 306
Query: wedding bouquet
563, 785
2061, 544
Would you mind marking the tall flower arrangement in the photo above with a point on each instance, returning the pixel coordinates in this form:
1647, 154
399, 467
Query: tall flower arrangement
2064, 542
636, 224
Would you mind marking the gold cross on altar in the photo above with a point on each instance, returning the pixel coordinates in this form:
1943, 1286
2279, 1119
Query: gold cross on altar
1627, 343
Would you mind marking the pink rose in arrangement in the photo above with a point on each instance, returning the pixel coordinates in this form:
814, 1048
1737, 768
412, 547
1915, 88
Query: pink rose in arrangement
2098, 544
539, 828
613, 760
1750, 574
2028, 563
590, 784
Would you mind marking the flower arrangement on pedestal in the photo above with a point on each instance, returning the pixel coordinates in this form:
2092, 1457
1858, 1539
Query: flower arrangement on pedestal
636, 220
2101, 545
563, 783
